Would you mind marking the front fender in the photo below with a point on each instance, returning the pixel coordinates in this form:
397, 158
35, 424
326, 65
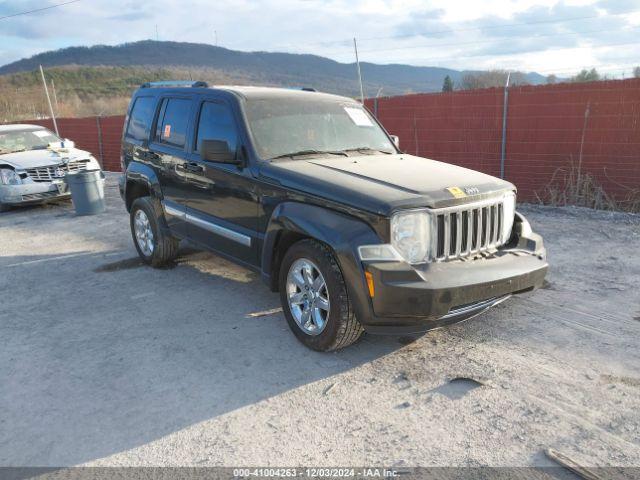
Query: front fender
341, 232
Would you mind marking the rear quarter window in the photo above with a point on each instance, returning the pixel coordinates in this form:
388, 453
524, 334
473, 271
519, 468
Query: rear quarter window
141, 118
172, 127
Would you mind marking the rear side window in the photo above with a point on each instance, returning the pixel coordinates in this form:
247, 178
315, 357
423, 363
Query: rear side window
141, 118
216, 123
172, 130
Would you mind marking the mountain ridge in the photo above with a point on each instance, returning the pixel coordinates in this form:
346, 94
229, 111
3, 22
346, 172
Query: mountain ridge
272, 68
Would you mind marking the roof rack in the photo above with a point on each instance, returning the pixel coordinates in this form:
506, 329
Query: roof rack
175, 84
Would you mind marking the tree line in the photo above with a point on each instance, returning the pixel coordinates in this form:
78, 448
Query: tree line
498, 78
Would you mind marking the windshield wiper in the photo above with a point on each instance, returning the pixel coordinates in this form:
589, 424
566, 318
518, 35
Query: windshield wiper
367, 149
310, 152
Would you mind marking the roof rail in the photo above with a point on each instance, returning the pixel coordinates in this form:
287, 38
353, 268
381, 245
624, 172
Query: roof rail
175, 84
308, 89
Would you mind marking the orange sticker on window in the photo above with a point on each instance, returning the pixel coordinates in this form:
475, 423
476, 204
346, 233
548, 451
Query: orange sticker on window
167, 131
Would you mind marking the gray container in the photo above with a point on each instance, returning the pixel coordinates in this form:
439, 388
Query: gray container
87, 191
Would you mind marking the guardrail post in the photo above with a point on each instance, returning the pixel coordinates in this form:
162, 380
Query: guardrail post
100, 148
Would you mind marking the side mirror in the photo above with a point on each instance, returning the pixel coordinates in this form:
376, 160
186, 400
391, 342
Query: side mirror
396, 140
218, 151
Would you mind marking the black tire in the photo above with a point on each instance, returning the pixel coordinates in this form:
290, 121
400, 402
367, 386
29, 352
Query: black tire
165, 247
342, 328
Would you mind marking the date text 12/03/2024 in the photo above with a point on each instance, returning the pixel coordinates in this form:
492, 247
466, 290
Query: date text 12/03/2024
316, 472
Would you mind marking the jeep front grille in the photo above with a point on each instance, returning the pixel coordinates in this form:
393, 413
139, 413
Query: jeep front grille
50, 173
467, 230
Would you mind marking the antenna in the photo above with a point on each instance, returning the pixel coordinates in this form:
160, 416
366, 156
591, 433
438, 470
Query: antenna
46, 91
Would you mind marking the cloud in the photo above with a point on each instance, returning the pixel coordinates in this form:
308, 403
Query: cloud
462, 34
619, 6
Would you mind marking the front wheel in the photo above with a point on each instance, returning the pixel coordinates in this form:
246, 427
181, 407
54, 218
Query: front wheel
154, 246
314, 298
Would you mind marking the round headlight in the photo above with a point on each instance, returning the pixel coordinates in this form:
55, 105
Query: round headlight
9, 177
410, 234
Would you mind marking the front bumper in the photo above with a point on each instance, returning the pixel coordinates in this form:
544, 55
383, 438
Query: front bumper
410, 299
30, 193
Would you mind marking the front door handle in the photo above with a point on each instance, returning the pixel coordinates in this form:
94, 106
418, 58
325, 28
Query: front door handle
193, 167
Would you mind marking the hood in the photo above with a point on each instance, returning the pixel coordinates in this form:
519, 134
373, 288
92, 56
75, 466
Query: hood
41, 158
383, 183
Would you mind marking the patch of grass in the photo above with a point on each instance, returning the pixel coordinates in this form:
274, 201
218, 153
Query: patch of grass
571, 186
87, 91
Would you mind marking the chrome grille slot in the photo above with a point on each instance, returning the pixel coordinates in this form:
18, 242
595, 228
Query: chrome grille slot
39, 196
466, 230
50, 173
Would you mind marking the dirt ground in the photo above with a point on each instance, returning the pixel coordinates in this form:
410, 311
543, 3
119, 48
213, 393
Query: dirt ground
104, 361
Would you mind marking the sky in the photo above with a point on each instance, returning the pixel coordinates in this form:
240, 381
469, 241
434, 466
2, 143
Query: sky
547, 36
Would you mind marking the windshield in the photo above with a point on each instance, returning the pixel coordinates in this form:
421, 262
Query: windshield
21, 140
282, 127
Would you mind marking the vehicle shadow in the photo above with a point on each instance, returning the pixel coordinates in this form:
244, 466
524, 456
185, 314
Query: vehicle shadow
100, 354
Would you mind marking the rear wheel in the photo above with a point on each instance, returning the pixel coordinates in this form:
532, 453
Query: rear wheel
154, 246
314, 298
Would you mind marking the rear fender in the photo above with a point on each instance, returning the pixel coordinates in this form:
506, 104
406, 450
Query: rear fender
140, 174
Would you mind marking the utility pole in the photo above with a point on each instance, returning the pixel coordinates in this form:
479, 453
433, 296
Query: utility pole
215, 35
375, 105
503, 150
46, 91
157, 36
355, 46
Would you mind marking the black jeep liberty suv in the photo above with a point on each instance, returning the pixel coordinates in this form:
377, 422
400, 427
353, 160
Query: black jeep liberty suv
310, 190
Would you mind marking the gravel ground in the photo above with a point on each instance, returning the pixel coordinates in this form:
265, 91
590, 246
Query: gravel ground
104, 361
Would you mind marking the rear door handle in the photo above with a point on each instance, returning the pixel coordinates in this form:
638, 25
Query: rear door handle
193, 167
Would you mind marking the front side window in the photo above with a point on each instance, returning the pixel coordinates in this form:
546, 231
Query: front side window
172, 130
141, 118
216, 123
284, 126
25, 140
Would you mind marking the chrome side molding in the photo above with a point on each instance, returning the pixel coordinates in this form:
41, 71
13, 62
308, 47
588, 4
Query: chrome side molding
212, 227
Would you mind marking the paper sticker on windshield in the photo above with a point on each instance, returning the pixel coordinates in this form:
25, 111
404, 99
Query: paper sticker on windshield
167, 131
41, 133
457, 192
359, 117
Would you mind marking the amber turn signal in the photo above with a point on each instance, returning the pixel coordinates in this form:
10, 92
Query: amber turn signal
369, 278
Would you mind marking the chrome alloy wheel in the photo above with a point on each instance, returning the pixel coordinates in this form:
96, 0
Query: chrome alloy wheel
144, 234
308, 296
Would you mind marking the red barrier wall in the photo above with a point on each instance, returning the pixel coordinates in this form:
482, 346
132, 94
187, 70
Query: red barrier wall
545, 127
546, 131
